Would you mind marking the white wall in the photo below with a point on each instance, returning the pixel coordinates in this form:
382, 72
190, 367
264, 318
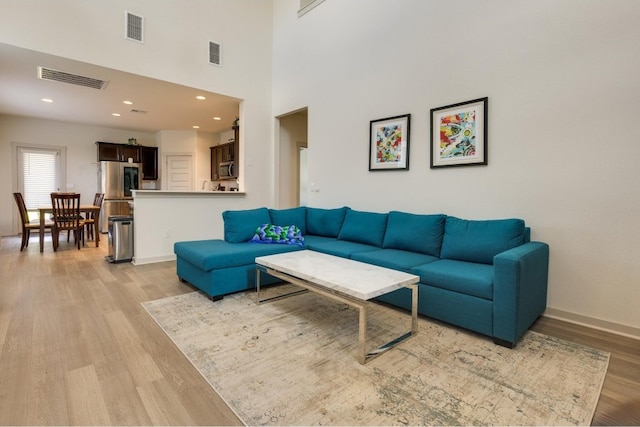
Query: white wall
562, 82
81, 162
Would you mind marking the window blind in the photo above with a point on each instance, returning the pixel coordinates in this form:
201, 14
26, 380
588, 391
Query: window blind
40, 177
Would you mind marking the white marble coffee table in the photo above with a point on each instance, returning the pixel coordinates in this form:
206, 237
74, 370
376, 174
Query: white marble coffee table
342, 279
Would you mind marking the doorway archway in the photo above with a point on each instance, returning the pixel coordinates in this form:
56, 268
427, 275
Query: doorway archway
291, 170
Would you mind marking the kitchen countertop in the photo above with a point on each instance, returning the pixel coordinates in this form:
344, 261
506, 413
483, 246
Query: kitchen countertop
166, 193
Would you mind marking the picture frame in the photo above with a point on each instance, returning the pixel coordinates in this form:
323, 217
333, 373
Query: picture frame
459, 134
389, 143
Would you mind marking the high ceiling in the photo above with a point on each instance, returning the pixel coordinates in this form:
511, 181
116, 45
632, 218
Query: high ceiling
161, 105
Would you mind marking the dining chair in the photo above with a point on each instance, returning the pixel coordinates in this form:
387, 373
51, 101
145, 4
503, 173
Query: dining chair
90, 220
66, 216
27, 225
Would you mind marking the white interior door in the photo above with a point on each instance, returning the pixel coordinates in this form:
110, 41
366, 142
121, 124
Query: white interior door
179, 169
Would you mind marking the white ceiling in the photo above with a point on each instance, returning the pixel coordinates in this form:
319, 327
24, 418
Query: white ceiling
168, 106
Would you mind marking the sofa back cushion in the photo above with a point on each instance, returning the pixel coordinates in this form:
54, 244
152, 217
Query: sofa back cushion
239, 226
364, 227
415, 233
293, 216
325, 222
480, 241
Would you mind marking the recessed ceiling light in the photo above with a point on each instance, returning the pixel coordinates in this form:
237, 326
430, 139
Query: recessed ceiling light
217, 118
115, 114
200, 97
196, 127
128, 102
47, 100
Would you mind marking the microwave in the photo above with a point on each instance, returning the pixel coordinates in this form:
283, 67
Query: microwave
226, 170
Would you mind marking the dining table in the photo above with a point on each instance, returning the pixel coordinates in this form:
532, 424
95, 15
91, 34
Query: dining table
85, 209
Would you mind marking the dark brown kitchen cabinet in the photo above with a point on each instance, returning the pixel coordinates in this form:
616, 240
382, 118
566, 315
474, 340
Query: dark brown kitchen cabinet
147, 156
149, 160
108, 151
214, 162
227, 152
220, 153
235, 153
131, 151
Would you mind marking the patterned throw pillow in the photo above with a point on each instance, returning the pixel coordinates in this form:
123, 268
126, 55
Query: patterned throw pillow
287, 235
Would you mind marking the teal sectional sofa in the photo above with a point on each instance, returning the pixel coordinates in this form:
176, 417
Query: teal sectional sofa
485, 276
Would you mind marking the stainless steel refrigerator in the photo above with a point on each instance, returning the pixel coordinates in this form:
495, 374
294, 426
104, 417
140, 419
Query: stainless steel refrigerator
116, 180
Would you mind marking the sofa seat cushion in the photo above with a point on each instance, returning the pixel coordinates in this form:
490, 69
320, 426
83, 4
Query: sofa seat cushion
337, 247
325, 222
480, 241
394, 258
415, 233
213, 254
459, 276
239, 226
363, 227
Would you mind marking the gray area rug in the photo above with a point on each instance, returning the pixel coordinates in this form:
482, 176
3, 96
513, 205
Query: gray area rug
293, 362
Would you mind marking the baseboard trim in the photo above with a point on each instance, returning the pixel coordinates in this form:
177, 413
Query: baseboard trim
592, 322
152, 260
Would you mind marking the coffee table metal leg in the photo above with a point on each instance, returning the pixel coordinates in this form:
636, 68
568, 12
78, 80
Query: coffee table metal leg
276, 297
257, 286
362, 334
414, 329
414, 308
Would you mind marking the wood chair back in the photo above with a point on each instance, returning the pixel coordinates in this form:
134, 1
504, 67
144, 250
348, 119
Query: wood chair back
26, 224
90, 221
24, 214
66, 216
98, 199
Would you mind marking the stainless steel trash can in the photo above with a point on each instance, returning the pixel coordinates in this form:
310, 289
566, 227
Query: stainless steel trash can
120, 238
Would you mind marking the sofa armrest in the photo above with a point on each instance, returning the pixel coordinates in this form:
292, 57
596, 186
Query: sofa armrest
519, 290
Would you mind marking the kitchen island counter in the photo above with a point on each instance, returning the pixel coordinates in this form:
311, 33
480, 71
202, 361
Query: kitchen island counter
163, 217
196, 193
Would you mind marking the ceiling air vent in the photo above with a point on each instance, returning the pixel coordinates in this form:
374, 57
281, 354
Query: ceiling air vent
215, 56
74, 79
134, 27
134, 110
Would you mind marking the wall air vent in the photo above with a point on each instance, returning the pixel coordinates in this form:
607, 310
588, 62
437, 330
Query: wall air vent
134, 27
215, 53
74, 79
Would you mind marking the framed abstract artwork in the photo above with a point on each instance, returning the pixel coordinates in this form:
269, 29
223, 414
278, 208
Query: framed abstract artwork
459, 134
389, 143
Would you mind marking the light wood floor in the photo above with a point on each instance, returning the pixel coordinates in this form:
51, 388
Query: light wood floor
77, 348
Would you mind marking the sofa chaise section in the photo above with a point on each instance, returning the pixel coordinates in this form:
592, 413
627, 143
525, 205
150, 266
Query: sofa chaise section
219, 268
